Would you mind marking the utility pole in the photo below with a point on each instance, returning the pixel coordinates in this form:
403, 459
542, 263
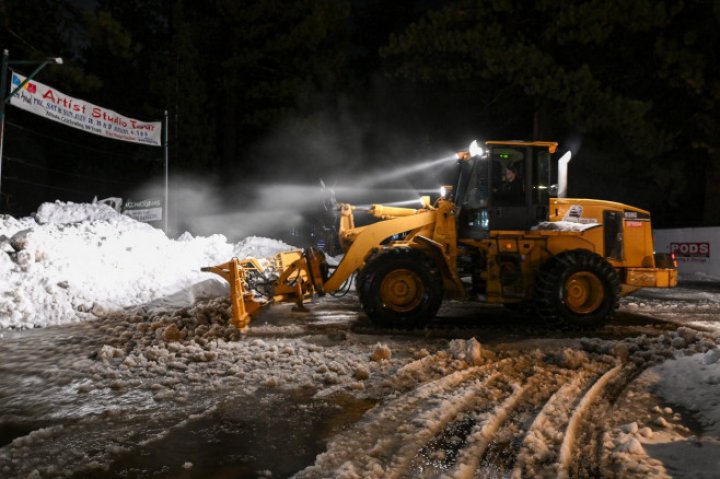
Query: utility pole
6, 99
3, 88
165, 145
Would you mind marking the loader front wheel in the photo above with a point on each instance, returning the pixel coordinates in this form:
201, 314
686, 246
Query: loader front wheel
577, 288
400, 287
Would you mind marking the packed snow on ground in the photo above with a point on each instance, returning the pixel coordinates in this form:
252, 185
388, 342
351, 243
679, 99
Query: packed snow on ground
698, 276
70, 262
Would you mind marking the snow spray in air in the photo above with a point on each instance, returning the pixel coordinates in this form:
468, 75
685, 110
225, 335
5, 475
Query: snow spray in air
272, 208
415, 203
401, 171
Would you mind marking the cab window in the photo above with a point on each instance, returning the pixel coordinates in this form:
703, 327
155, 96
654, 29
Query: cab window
508, 173
477, 190
541, 180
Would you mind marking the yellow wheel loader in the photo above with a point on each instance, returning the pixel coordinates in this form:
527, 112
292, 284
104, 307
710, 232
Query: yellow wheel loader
503, 234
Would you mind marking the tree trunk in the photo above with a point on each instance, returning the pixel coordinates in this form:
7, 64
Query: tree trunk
542, 120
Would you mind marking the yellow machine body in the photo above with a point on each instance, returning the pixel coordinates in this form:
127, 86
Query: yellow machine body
592, 238
636, 267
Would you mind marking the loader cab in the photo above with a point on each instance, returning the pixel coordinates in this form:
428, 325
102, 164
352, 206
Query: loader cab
507, 187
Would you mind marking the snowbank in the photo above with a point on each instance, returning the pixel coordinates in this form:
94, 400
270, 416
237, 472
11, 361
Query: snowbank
693, 382
75, 261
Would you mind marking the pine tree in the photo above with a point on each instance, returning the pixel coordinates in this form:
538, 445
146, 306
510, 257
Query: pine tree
273, 57
639, 77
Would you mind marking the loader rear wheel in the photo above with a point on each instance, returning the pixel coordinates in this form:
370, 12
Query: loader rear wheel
400, 287
577, 288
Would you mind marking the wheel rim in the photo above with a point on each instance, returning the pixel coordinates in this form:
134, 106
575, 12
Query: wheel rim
402, 290
584, 292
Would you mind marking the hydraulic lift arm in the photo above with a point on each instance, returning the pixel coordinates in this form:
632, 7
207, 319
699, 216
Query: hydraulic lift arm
303, 273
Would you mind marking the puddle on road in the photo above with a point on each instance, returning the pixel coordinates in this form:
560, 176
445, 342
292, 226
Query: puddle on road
276, 435
9, 431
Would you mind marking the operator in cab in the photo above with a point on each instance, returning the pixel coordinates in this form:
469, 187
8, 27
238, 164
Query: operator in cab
511, 190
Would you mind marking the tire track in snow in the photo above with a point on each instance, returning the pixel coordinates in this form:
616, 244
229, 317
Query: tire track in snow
595, 393
434, 421
375, 439
534, 450
486, 437
390, 442
483, 432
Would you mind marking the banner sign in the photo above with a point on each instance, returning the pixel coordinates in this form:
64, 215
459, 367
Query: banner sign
54, 105
145, 210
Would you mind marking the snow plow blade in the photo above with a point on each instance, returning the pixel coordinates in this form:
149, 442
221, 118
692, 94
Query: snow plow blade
244, 302
291, 276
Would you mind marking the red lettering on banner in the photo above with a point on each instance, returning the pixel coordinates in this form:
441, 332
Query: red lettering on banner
98, 112
49, 94
141, 126
70, 104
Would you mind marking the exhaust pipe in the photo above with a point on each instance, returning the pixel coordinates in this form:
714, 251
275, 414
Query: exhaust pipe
563, 174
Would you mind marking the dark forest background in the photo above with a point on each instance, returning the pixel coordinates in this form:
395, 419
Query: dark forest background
269, 91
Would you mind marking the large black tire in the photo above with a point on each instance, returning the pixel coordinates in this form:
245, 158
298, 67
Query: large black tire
577, 288
400, 288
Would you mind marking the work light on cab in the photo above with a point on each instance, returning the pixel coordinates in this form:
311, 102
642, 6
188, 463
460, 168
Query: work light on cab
475, 149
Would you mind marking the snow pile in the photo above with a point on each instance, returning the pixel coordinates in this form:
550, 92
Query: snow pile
563, 226
75, 261
694, 383
257, 247
60, 212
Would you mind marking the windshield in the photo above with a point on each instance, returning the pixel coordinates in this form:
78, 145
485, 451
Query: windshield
478, 185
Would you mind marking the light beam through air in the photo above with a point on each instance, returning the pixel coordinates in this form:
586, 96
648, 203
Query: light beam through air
399, 172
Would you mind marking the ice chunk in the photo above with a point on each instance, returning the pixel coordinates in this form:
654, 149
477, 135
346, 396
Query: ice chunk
711, 357
631, 446
381, 353
630, 428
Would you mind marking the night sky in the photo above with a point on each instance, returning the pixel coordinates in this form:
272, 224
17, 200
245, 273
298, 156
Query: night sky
262, 93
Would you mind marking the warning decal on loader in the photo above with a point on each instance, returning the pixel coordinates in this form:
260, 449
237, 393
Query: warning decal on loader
574, 214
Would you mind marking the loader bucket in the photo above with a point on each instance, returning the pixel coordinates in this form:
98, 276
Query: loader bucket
244, 302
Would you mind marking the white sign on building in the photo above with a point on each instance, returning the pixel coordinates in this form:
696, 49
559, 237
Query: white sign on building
697, 250
145, 210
